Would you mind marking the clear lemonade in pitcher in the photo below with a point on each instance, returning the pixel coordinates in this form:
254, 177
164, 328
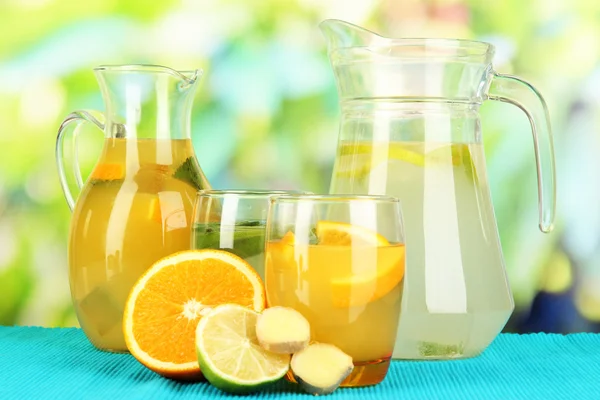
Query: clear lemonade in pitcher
135, 209
410, 127
454, 261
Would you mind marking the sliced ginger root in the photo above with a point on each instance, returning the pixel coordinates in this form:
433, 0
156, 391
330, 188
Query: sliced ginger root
321, 368
282, 330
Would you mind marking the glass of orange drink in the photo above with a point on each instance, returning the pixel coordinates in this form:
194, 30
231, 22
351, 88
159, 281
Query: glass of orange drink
339, 260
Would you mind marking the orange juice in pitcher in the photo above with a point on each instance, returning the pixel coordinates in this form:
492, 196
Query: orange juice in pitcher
136, 206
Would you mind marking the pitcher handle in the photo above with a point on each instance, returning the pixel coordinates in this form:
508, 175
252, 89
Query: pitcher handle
76, 117
516, 91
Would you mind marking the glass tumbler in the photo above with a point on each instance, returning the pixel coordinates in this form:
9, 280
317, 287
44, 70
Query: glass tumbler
339, 260
233, 220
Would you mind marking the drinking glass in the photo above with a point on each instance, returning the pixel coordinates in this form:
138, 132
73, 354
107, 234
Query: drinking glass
339, 261
233, 220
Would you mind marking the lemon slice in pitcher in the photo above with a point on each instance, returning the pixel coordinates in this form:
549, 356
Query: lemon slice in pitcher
363, 158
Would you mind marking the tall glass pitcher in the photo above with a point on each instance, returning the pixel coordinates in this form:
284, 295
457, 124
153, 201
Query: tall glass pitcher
410, 128
136, 205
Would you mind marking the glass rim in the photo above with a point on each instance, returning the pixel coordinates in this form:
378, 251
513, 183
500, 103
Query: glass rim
249, 193
330, 198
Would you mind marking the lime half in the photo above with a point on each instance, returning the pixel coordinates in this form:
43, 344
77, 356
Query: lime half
229, 354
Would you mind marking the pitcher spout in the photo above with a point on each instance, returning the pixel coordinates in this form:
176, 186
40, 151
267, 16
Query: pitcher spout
341, 34
147, 101
367, 65
187, 78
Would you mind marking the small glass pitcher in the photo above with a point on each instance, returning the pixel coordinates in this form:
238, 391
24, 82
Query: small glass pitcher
136, 205
410, 128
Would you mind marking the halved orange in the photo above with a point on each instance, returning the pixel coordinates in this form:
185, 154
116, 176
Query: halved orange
170, 298
343, 234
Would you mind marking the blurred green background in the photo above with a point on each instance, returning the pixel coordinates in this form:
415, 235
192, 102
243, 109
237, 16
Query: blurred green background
267, 117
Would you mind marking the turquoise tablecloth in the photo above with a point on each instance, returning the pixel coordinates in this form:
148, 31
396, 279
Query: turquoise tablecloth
43, 363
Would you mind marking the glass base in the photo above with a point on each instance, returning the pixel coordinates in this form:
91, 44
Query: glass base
364, 373
442, 357
109, 347
118, 351
111, 350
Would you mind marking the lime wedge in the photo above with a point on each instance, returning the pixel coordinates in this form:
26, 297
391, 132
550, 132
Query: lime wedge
230, 355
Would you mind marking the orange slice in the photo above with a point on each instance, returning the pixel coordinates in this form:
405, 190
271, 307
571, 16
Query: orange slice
170, 298
281, 251
108, 172
154, 212
288, 238
360, 289
279, 256
342, 234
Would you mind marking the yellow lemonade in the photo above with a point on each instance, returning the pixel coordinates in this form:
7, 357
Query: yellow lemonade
351, 296
135, 209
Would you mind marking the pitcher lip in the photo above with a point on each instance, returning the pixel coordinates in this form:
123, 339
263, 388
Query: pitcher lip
471, 48
476, 47
188, 76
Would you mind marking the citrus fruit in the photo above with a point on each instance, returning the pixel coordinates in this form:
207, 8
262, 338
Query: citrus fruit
362, 160
372, 284
377, 268
108, 172
343, 234
362, 287
230, 355
166, 303
281, 252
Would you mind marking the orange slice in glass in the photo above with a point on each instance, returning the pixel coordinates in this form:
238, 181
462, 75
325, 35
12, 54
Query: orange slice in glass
373, 282
168, 301
343, 234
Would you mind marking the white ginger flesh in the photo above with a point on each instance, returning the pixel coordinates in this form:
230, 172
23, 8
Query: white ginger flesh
282, 330
321, 368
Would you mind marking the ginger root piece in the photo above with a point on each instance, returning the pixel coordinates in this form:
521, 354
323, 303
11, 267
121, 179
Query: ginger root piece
282, 330
321, 368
